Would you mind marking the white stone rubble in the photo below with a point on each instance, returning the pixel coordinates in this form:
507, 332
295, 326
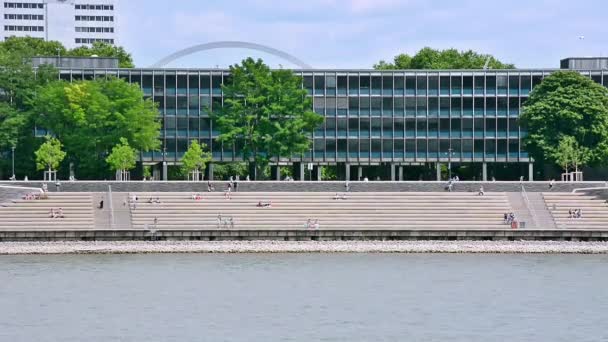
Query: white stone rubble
103, 247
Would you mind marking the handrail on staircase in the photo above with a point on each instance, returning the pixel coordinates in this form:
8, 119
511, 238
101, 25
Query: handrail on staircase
111, 205
529, 205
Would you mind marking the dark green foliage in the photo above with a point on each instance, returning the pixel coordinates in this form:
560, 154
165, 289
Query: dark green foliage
102, 49
266, 113
428, 58
567, 104
90, 117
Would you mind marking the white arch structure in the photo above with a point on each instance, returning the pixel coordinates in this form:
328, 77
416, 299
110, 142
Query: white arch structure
230, 45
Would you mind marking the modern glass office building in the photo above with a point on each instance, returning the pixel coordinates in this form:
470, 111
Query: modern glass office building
390, 119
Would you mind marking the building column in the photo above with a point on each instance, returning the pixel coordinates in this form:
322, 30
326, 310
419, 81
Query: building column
484, 172
278, 173
156, 172
165, 174
359, 173
302, 173
210, 167
319, 167
530, 172
392, 172
438, 170
400, 173
347, 171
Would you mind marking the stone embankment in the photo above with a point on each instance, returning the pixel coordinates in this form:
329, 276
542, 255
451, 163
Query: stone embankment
136, 247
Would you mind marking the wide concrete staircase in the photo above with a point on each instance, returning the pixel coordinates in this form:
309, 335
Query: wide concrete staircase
594, 210
291, 210
34, 214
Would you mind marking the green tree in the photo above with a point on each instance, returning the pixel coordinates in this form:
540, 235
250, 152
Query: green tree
195, 159
429, 58
90, 116
147, 172
122, 158
102, 49
266, 114
49, 155
18, 87
27, 47
569, 155
564, 106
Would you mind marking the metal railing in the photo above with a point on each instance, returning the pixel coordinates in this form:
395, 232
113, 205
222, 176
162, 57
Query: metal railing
529, 206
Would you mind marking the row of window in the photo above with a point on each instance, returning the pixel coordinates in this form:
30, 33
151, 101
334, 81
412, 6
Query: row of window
94, 18
24, 16
367, 105
94, 7
93, 40
23, 5
24, 28
95, 29
375, 148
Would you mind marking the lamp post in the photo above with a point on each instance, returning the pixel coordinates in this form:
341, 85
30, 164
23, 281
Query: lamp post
13, 150
450, 163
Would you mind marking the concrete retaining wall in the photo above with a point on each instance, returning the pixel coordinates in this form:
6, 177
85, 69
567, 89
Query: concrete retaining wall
304, 235
268, 186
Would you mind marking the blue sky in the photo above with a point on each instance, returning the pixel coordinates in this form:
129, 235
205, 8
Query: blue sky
358, 33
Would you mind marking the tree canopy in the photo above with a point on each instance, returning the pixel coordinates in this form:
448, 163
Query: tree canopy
91, 116
19, 87
102, 49
569, 154
123, 156
49, 155
27, 47
266, 114
429, 58
195, 157
570, 109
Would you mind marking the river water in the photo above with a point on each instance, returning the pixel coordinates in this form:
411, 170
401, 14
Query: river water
304, 297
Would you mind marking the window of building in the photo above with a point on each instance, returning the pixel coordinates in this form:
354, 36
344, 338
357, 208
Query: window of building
433, 106
399, 125
501, 84
342, 85
376, 103
364, 105
399, 103
456, 85
491, 106
364, 84
433, 86
308, 84
376, 85
456, 106
410, 85
479, 84
387, 85
444, 85
467, 85
319, 84
410, 106
514, 85
491, 85
353, 85
353, 106
421, 85
421, 106
387, 106
399, 85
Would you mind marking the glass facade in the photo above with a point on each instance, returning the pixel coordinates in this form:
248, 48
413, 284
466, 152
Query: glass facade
370, 116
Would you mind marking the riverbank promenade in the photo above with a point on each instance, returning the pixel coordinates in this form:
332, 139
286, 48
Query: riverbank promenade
324, 211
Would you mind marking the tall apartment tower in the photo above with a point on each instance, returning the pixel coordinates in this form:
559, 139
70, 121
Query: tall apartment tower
72, 22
